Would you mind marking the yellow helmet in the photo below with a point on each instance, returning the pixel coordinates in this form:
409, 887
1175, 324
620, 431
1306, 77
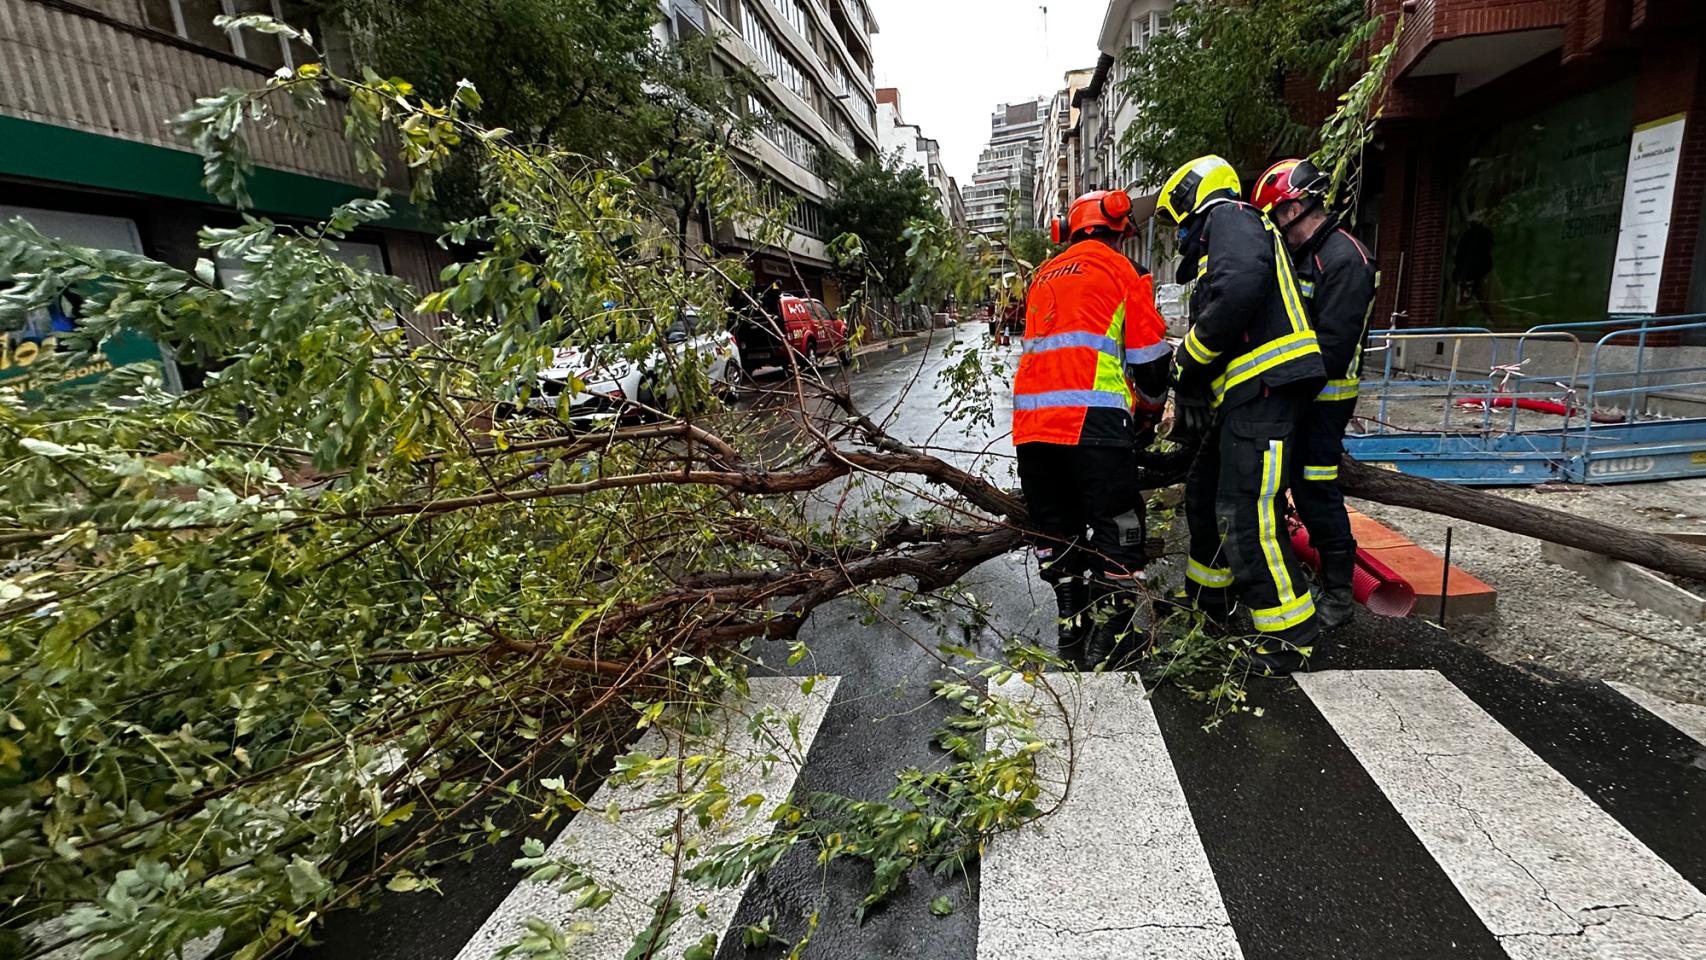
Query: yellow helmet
1196, 186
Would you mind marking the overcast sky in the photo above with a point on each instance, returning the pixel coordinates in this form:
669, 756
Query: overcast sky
954, 60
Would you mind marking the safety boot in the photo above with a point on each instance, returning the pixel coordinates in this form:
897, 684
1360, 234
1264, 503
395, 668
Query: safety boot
1274, 659
1337, 603
1120, 636
1072, 623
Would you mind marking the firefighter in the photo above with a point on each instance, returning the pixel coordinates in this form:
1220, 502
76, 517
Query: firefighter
1091, 385
1249, 365
1337, 278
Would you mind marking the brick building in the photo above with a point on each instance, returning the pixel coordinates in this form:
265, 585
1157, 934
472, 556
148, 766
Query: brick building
1500, 181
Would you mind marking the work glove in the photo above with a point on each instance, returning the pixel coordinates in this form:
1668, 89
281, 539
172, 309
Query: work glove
1192, 419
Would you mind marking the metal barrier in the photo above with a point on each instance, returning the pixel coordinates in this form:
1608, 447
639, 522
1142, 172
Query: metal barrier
1607, 430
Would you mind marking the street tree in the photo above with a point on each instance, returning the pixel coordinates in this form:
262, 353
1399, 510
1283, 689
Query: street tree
1216, 82
871, 206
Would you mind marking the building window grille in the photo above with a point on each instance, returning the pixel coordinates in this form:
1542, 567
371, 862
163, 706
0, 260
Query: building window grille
769, 51
193, 21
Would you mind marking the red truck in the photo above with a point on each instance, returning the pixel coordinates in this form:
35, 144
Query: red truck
807, 328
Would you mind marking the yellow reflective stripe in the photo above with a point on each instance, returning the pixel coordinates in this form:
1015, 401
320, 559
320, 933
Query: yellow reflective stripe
1110, 378
1294, 309
1346, 389
1197, 350
1215, 577
1321, 473
1267, 521
1269, 355
1283, 617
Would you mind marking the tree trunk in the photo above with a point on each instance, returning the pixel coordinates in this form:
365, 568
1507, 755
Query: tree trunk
1643, 549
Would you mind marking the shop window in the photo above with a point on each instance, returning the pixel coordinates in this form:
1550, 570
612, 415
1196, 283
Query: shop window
1533, 214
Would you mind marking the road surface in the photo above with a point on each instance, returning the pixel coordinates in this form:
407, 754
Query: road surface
1410, 798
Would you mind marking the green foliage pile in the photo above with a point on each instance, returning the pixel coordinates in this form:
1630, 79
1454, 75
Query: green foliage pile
275, 645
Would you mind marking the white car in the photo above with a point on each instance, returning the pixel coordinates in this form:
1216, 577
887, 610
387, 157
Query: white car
617, 386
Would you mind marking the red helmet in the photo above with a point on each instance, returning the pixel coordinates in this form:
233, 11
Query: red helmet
1288, 180
1098, 208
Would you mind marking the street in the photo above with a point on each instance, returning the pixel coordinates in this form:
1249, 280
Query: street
1408, 798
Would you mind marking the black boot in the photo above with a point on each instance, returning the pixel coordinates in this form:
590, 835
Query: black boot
1072, 621
1121, 635
1337, 603
1272, 658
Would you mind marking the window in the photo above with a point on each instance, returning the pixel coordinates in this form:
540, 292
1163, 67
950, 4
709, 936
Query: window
794, 11
764, 44
193, 21
787, 137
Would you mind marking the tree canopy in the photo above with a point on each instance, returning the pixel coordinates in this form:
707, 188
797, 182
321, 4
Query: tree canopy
1216, 82
877, 200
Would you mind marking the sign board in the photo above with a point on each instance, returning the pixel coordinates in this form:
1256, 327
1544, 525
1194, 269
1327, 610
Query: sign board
20, 349
1648, 194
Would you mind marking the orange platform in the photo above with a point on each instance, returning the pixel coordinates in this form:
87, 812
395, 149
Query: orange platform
1425, 570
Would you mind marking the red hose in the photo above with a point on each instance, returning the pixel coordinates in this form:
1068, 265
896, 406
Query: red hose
1538, 406
1374, 584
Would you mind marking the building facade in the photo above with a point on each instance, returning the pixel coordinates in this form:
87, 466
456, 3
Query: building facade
1128, 25
814, 60
1057, 174
906, 144
1541, 161
86, 155
1004, 189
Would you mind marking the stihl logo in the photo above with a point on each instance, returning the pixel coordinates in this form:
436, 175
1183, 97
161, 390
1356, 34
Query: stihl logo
1069, 269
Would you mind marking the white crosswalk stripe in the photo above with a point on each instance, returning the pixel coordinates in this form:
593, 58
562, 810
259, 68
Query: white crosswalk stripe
1552, 875
630, 853
1690, 718
1118, 871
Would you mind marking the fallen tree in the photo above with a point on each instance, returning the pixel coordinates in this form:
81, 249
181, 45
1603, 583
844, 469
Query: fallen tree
1419, 493
275, 645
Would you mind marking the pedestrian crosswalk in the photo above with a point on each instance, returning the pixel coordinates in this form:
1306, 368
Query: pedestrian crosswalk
1129, 865
1690, 718
1550, 873
1118, 870
635, 851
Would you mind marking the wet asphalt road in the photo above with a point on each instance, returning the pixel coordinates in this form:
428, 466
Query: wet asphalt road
1312, 857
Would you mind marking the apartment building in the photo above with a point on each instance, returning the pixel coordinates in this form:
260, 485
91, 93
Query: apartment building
814, 57
1057, 168
907, 144
1005, 186
86, 89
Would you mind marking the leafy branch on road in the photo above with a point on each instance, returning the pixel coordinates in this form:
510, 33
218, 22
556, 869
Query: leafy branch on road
280, 644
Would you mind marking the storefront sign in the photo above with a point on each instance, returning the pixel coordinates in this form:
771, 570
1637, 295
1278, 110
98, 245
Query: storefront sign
20, 349
1648, 194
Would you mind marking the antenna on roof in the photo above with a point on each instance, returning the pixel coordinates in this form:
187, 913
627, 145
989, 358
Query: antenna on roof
1044, 9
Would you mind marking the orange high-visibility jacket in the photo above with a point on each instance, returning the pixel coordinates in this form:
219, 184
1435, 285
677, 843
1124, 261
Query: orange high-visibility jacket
1089, 317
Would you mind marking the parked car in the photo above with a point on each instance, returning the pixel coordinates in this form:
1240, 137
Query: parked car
614, 384
807, 328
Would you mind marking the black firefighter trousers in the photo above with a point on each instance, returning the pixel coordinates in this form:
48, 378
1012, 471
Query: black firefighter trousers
1315, 487
1086, 509
1234, 505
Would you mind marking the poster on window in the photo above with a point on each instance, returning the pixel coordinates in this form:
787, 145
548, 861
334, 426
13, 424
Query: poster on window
20, 349
1648, 194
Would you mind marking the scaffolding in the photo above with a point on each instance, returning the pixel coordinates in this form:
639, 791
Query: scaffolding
1614, 401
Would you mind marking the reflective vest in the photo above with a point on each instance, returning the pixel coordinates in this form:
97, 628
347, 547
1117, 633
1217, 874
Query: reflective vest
1088, 315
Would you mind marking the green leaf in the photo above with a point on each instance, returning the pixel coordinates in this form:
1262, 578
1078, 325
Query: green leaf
306, 884
399, 815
